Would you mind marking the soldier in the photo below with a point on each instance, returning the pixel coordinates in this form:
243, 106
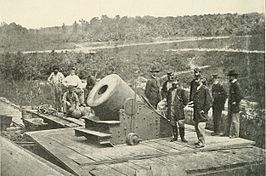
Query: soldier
55, 80
167, 84
70, 100
91, 81
193, 84
75, 81
176, 101
152, 89
235, 96
219, 96
202, 103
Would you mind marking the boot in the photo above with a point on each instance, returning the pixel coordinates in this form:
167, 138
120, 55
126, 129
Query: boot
182, 134
175, 133
202, 143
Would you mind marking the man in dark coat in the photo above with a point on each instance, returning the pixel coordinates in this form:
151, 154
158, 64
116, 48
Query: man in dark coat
167, 84
219, 96
152, 89
176, 101
91, 81
193, 84
202, 103
234, 98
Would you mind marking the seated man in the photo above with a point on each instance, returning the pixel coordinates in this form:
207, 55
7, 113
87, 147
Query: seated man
74, 80
70, 100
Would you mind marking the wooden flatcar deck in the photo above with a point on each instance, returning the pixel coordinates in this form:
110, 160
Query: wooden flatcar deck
157, 157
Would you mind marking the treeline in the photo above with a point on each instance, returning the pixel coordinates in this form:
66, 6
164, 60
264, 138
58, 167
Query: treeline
129, 29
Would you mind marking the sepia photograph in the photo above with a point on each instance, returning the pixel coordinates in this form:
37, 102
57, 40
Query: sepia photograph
132, 88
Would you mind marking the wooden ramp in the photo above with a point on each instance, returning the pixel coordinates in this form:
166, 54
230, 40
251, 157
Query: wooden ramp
16, 161
154, 157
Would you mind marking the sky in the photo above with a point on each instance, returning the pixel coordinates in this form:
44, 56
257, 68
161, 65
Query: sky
46, 13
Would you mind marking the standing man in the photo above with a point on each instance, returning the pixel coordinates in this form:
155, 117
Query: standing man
74, 80
193, 84
176, 101
202, 103
91, 81
219, 96
55, 80
167, 84
152, 89
235, 96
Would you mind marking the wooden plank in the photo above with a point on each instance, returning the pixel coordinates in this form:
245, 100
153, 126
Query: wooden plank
109, 122
161, 147
123, 168
174, 145
106, 171
250, 155
84, 150
58, 120
92, 132
76, 121
12, 154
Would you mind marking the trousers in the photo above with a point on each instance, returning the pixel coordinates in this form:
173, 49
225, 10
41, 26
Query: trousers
80, 94
58, 93
234, 126
217, 118
200, 131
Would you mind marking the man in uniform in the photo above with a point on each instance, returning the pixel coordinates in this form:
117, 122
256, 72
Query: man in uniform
176, 101
167, 84
219, 96
74, 80
202, 103
152, 89
55, 80
91, 81
234, 98
193, 84
70, 100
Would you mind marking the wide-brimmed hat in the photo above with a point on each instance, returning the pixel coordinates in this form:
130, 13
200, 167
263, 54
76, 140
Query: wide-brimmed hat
70, 86
170, 73
232, 73
154, 69
176, 81
73, 68
55, 67
215, 76
196, 70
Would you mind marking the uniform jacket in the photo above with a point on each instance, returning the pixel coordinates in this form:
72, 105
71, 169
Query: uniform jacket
202, 101
235, 95
152, 91
193, 89
91, 81
165, 89
219, 96
179, 102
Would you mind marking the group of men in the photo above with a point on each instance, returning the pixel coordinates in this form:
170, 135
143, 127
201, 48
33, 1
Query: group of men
74, 96
201, 98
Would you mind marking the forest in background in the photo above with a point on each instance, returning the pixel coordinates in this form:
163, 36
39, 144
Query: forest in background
15, 37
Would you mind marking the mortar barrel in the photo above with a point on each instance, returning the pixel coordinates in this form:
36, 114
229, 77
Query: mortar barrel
108, 96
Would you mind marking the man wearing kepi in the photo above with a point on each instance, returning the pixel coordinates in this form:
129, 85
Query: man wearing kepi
176, 101
167, 84
219, 96
74, 80
193, 84
202, 103
55, 80
152, 89
235, 96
